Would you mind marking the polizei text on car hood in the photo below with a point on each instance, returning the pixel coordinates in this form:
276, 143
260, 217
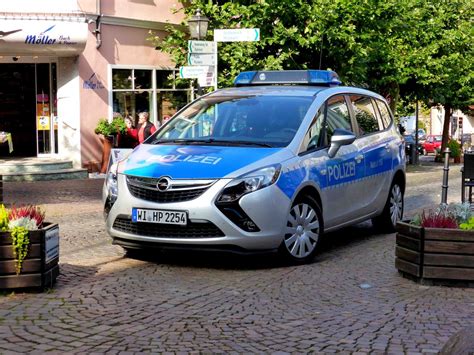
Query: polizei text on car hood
191, 161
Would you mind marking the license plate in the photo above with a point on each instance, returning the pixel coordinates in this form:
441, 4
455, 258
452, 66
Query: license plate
159, 216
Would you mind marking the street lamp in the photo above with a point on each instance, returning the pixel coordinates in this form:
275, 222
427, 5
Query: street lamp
198, 29
198, 25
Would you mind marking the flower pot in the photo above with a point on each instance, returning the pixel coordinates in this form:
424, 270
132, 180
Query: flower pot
107, 143
40, 267
435, 255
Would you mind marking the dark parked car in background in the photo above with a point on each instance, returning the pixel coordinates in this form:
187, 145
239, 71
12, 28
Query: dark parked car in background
409, 144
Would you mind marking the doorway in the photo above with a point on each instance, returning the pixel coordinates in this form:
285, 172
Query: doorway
28, 109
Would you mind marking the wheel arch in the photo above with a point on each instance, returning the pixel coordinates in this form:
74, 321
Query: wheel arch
312, 191
400, 178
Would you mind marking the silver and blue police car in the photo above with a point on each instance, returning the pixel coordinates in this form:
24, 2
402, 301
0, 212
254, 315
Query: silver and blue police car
270, 164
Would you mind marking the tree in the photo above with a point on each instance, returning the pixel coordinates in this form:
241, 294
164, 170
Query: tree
385, 46
443, 61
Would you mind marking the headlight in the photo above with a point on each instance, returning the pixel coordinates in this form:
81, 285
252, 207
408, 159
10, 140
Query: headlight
250, 182
111, 183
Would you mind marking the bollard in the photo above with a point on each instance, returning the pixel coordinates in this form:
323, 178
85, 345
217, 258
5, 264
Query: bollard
444, 187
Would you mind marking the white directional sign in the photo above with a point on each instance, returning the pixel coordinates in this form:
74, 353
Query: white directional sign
195, 71
207, 79
202, 59
237, 35
201, 47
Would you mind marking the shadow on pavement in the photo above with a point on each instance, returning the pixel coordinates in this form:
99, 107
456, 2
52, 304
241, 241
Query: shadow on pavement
331, 242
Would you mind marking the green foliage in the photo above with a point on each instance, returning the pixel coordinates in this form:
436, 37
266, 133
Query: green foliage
20, 242
415, 48
445, 216
469, 225
455, 148
107, 128
3, 218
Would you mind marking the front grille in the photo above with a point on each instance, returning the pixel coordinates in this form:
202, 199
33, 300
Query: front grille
179, 190
191, 230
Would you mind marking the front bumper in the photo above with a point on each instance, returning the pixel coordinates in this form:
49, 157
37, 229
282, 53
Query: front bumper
207, 226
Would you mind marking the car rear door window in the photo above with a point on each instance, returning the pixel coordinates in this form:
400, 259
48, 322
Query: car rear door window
365, 114
384, 113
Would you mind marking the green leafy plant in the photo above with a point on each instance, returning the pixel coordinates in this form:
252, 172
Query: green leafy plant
453, 215
455, 148
20, 243
19, 221
3, 218
107, 128
469, 225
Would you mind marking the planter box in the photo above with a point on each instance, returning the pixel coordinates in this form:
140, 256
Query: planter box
431, 255
40, 267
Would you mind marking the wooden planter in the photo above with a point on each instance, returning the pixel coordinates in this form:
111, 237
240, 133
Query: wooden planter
434, 255
40, 267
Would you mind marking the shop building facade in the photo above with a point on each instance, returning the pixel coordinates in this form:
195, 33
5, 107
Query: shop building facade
64, 64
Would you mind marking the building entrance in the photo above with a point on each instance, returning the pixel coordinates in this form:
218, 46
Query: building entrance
28, 109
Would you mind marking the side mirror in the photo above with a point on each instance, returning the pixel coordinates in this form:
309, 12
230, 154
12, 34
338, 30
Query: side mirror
339, 138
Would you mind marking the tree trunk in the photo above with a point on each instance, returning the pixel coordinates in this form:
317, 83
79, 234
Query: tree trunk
447, 121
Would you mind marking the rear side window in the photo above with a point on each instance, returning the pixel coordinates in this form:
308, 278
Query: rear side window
337, 115
365, 114
384, 113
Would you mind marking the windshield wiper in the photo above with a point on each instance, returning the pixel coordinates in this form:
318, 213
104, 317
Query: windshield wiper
211, 141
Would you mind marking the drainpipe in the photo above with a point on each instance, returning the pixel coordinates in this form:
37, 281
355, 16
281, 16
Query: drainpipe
98, 26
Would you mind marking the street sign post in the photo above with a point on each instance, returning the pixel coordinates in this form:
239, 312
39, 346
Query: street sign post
237, 35
194, 72
202, 59
201, 47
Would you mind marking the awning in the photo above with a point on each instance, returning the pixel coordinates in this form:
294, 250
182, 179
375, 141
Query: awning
60, 35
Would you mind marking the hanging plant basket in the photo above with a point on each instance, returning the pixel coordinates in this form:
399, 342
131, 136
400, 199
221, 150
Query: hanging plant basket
40, 267
435, 255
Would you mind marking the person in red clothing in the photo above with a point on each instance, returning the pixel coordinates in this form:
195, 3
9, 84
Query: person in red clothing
130, 138
145, 128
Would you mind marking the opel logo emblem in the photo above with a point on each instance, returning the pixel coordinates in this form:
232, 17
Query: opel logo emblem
163, 184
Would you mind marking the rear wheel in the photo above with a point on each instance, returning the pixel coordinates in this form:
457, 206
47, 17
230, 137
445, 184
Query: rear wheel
393, 210
304, 228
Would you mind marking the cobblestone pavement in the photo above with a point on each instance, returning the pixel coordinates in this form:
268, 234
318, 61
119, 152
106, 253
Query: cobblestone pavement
349, 300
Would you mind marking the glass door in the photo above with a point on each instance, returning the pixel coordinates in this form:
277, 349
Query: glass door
46, 109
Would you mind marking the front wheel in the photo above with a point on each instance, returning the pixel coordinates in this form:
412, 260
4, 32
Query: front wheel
304, 228
392, 212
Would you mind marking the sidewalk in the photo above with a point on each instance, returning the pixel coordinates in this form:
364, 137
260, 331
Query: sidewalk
350, 300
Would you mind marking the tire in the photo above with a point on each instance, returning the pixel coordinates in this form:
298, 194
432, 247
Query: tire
425, 152
304, 231
392, 212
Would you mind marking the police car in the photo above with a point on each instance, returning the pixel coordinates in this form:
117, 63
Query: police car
270, 164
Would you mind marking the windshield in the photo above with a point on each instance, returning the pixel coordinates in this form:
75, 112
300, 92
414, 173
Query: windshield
267, 121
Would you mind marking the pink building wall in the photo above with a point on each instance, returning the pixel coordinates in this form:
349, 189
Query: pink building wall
121, 45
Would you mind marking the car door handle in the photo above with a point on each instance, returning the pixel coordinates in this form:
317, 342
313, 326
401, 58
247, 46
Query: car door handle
359, 158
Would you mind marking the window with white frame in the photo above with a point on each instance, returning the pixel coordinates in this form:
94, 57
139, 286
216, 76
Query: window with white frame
155, 91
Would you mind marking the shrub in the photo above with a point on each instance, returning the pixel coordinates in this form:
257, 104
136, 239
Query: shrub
18, 221
438, 220
455, 148
107, 128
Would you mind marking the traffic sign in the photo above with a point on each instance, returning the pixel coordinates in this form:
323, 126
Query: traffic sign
207, 79
202, 59
201, 47
237, 35
195, 71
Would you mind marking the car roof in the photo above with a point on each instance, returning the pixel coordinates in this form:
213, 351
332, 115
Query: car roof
290, 90
271, 90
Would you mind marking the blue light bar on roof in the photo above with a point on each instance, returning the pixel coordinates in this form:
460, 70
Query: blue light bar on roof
289, 77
